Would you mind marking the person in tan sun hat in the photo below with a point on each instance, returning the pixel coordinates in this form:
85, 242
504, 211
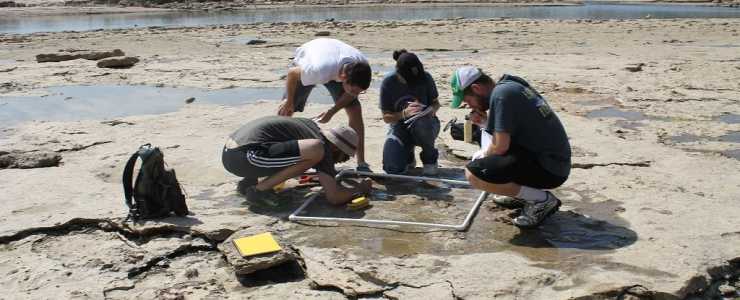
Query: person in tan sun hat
280, 148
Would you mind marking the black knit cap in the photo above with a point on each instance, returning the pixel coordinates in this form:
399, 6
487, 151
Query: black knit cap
409, 67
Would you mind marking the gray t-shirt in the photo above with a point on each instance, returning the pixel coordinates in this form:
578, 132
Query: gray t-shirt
394, 95
517, 109
283, 129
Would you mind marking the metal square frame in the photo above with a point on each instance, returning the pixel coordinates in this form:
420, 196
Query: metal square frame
459, 227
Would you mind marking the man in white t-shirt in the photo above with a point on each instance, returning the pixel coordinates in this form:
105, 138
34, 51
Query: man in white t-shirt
343, 70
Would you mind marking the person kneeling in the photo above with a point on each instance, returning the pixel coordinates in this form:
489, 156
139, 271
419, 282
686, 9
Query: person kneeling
281, 148
408, 100
529, 150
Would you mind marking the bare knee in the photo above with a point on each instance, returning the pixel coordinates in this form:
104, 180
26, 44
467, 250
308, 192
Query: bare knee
507, 189
473, 180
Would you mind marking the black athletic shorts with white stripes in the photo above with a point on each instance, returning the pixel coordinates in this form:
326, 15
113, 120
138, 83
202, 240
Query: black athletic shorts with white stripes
261, 159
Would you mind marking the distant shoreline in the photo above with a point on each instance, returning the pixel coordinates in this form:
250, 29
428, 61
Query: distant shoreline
51, 9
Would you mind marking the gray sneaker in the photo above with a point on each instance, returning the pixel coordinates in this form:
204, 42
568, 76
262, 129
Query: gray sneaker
508, 202
363, 167
245, 184
430, 170
263, 199
534, 213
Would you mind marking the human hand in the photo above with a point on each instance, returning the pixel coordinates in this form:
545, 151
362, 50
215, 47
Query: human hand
412, 109
365, 185
285, 108
324, 117
478, 117
479, 154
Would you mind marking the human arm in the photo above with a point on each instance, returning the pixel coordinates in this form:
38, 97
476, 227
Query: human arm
411, 109
500, 143
501, 122
344, 100
291, 82
435, 106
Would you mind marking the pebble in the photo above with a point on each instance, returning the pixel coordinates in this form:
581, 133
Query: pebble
256, 42
191, 273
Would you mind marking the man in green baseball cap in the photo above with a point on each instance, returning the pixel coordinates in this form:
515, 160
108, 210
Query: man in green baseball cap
461, 79
529, 151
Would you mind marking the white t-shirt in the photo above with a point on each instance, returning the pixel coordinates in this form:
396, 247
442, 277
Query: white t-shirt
322, 59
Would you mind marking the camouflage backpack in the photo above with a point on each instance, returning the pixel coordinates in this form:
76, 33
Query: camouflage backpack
156, 192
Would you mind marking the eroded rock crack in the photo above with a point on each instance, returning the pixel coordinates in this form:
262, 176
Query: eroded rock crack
700, 286
643, 164
137, 236
179, 251
130, 236
82, 147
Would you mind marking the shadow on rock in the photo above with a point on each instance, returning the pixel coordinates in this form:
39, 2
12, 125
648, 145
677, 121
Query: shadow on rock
287, 272
387, 189
186, 221
182, 222
576, 231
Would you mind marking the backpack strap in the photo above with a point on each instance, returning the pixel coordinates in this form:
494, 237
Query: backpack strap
517, 79
128, 185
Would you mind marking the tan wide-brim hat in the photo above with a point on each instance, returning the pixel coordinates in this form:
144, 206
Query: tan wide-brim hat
344, 138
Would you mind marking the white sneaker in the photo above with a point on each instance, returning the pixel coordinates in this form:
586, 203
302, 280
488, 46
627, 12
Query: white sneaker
430, 170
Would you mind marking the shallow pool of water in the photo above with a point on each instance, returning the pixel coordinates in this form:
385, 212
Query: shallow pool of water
298, 14
85, 102
612, 112
729, 118
730, 137
594, 229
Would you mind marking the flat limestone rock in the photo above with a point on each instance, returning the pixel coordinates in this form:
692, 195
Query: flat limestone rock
29, 160
327, 268
72, 55
248, 265
462, 149
116, 62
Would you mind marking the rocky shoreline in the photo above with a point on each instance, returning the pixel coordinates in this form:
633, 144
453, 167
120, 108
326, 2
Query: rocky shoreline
650, 211
120, 6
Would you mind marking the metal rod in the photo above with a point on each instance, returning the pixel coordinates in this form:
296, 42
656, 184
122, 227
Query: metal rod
407, 177
465, 224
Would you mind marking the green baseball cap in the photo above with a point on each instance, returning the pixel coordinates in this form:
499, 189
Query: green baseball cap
461, 79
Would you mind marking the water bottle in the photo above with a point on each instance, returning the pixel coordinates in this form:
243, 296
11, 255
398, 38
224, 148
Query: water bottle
468, 130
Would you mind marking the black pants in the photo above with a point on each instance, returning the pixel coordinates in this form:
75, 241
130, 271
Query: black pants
518, 166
